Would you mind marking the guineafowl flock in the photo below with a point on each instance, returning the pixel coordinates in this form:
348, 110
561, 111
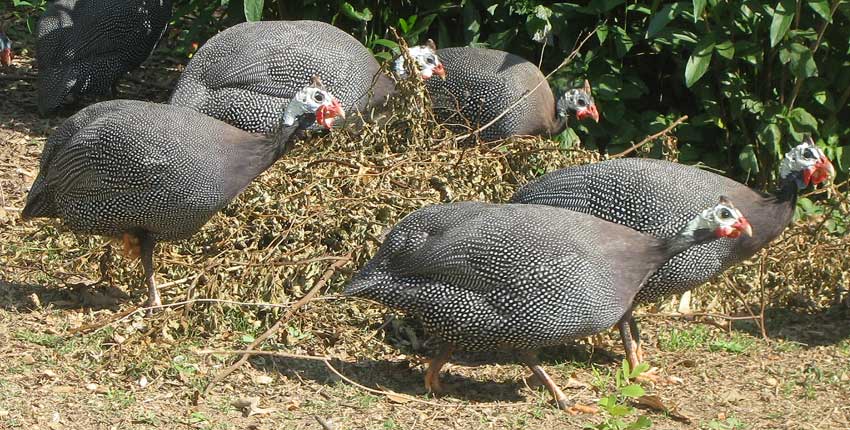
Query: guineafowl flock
569, 256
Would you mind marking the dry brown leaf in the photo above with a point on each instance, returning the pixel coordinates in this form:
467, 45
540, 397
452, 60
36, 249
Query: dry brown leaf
655, 403
582, 409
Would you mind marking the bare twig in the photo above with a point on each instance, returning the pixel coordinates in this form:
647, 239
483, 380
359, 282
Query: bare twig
652, 137
280, 322
566, 61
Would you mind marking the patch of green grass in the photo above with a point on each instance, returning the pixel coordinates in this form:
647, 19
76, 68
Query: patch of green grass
601, 378
730, 423
366, 400
120, 398
787, 346
737, 344
679, 340
390, 424
147, 417
844, 347
42, 339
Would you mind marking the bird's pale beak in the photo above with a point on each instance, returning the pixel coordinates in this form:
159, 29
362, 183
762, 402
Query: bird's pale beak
820, 172
327, 114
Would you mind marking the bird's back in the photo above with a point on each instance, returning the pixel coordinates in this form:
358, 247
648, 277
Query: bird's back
247, 74
481, 83
122, 165
484, 276
85, 45
658, 198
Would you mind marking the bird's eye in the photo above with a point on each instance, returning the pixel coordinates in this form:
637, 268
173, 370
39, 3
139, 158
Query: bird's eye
581, 103
808, 153
318, 97
429, 60
725, 213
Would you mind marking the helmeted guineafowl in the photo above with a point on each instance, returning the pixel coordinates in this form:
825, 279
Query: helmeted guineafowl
482, 83
84, 46
150, 172
6, 54
485, 276
244, 74
657, 197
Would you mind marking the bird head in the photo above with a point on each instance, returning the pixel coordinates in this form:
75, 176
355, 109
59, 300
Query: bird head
723, 220
427, 62
579, 102
807, 164
6, 55
316, 100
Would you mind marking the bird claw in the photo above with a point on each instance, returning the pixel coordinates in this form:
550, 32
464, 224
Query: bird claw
153, 304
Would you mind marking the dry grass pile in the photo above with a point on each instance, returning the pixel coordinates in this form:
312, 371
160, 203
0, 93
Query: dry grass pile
336, 195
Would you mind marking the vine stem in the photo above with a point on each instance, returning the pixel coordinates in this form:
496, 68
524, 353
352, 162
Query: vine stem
798, 83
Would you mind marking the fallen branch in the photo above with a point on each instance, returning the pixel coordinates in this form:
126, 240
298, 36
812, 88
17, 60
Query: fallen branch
651, 137
280, 322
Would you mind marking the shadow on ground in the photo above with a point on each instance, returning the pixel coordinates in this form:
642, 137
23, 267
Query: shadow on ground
829, 326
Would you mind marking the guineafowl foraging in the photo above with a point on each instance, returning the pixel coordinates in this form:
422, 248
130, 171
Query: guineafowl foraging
244, 74
84, 46
486, 276
482, 83
657, 197
6, 55
150, 172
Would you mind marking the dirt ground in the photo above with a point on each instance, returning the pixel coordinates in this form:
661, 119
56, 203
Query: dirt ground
72, 357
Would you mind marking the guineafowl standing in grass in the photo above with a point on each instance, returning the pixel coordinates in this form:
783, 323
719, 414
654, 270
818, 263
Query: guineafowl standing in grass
658, 197
482, 83
85, 46
148, 172
485, 276
244, 74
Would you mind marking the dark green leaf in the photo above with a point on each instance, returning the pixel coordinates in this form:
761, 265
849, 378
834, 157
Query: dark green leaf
802, 61
843, 158
619, 410
253, 10
622, 41
642, 367
602, 33
748, 161
633, 391
699, 61
421, 26
663, 17
386, 43
821, 7
783, 15
725, 49
770, 137
699, 6
802, 120
349, 11
643, 422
